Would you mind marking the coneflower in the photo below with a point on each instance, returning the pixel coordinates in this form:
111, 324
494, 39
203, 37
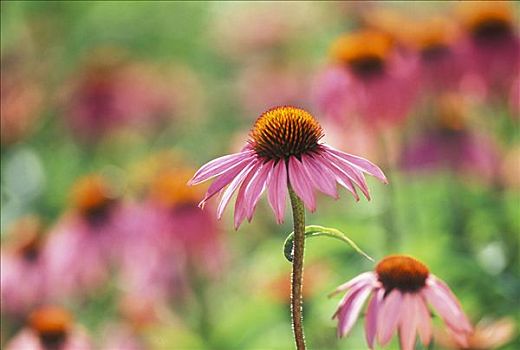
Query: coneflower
368, 77
284, 154
401, 289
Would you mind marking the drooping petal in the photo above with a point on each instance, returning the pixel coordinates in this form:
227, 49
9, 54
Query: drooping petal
371, 318
228, 193
341, 178
389, 316
223, 180
361, 163
301, 183
277, 190
424, 323
365, 277
218, 166
257, 187
348, 298
353, 174
351, 308
321, 177
408, 322
240, 208
446, 304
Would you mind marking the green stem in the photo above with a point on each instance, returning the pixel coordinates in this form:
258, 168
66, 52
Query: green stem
297, 269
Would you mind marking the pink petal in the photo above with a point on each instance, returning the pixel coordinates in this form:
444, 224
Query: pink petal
256, 188
361, 163
228, 193
301, 183
219, 166
277, 189
460, 338
388, 316
371, 318
322, 178
223, 180
446, 304
424, 323
347, 297
341, 178
353, 174
351, 308
365, 277
464, 320
240, 208
408, 322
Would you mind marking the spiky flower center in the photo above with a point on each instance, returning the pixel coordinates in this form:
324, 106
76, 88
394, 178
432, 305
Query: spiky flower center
51, 324
282, 132
402, 272
365, 52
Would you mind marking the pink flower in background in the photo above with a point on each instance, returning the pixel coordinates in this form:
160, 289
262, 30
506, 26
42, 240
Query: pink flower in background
401, 288
169, 232
443, 60
284, 149
82, 244
194, 232
150, 265
487, 335
111, 93
370, 77
23, 281
122, 337
451, 144
21, 100
492, 42
50, 328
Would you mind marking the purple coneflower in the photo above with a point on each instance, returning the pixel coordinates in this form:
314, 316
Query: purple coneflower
50, 327
24, 269
370, 77
453, 144
91, 229
401, 289
493, 42
443, 61
283, 150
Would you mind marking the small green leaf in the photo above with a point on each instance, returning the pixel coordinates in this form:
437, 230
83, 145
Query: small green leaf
315, 231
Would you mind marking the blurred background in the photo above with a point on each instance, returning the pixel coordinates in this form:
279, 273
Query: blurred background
108, 108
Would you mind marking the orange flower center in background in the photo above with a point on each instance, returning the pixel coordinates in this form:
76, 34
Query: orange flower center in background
26, 235
92, 197
282, 132
488, 20
51, 324
169, 188
433, 37
365, 52
402, 272
452, 112
30, 248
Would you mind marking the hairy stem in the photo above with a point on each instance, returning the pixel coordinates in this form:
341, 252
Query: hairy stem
297, 269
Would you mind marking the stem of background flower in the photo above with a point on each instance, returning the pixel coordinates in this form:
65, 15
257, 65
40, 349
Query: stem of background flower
297, 269
389, 215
